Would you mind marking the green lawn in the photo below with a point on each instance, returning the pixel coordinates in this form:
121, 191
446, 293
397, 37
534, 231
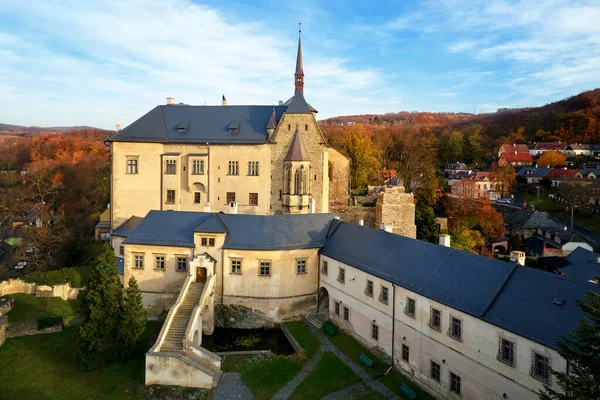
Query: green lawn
393, 380
372, 395
265, 378
30, 308
545, 203
329, 375
43, 367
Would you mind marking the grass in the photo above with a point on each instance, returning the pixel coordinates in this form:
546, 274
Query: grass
329, 375
304, 336
30, 308
545, 203
393, 380
372, 395
265, 378
43, 367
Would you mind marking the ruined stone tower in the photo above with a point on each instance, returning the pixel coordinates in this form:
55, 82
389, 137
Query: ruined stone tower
396, 209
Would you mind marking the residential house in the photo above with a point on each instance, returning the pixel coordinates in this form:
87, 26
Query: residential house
587, 150
453, 178
560, 176
532, 174
588, 173
486, 187
456, 167
526, 222
540, 148
513, 148
102, 228
582, 264
554, 243
516, 159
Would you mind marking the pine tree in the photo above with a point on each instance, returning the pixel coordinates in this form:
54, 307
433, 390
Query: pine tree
582, 352
102, 301
133, 321
427, 225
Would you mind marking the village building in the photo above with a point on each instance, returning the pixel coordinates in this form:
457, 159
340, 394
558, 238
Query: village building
540, 148
533, 175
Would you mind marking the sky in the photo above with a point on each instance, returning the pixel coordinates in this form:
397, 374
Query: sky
99, 63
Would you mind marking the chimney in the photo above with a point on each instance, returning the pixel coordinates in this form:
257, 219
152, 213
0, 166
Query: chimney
280, 102
233, 208
445, 240
361, 222
386, 227
117, 127
170, 101
207, 207
518, 257
223, 100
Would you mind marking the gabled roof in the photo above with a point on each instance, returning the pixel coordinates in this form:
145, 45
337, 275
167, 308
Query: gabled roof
212, 224
297, 151
511, 148
204, 124
534, 172
273, 120
583, 265
560, 174
531, 219
484, 176
550, 146
298, 105
586, 171
127, 227
167, 228
517, 157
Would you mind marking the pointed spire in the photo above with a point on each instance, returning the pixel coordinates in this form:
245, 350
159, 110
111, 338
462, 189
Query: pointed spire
273, 121
299, 74
297, 151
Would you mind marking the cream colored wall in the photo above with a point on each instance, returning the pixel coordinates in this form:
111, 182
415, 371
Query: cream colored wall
150, 279
172, 370
474, 359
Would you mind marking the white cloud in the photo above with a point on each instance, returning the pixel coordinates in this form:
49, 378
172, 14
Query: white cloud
101, 62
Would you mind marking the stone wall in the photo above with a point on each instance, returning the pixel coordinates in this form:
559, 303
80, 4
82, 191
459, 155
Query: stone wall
6, 305
64, 291
396, 208
3, 326
338, 171
355, 213
25, 328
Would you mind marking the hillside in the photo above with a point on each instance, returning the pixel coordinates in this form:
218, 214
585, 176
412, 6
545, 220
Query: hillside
7, 128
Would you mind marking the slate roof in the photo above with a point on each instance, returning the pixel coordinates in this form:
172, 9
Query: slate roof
205, 124
583, 264
248, 232
531, 219
515, 298
102, 224
530, 172
298, 105
586, 171
127, 227
297, 151
299, 63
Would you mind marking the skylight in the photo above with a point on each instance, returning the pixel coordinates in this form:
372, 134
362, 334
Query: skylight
182, 127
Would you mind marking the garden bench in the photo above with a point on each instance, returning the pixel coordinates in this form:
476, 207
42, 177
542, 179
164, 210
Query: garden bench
408, 392
329, 329
365, 360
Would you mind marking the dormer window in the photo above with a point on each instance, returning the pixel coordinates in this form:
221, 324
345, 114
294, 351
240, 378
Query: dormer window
548, 235
556, 239
182, 127
234, 126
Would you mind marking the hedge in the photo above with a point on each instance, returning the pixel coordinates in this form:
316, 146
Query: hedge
47, 322
78, 277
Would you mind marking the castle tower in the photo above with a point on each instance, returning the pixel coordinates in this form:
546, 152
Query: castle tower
396, 209
299, 74
296, 177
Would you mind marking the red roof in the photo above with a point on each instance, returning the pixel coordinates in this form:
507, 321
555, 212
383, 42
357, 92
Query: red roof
517, 157
484, 176
560, 174
511, 148
550, 146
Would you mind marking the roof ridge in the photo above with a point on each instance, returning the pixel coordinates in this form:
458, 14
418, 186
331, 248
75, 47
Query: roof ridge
502, 286
436, 269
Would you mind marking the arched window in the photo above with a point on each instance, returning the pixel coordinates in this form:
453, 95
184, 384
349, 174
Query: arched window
330, 170
297, 186
304, 180
287, 181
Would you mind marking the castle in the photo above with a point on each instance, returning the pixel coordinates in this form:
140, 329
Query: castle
462, 325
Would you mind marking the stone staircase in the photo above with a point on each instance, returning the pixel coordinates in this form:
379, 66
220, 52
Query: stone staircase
318, 319
174, 340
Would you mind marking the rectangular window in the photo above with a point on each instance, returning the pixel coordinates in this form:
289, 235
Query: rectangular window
138, 261
324, 268
455, 329
236, 267
253, 168
233, 168
265, 268
170, 197
121, 250
342, 275
506, 352
369, 288
171, 167
435, 372
211, 242
181, 264
198, 167
384, 295
346, 314
159, 263
435, 319
197, 197
454, 383
540, 368
132, 166
301, 266
337, 308
375, 331
253, 199
410, 307
405, 353
204, 241
230, 197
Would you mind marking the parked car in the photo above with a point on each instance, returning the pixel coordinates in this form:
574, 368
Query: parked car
21, 265
507, 200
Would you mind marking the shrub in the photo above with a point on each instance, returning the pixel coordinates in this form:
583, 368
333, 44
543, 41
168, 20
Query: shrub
78, 277
47, 322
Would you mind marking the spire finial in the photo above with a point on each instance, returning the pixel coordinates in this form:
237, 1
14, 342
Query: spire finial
299, 28
299, 75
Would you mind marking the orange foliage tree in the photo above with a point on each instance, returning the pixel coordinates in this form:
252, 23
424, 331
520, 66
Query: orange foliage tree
552, 159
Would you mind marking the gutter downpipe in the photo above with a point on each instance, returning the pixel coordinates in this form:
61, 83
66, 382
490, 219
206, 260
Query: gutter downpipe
393, 326
319, 281
161, 180
208, 173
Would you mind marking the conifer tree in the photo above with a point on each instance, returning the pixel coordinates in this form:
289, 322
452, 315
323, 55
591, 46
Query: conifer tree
102, 302
582, 352
133, 321
428, 228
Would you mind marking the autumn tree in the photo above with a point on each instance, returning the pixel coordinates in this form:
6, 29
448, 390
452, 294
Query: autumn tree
489, 220
552, 159
416, 159
357, 146
468, 240
504, 179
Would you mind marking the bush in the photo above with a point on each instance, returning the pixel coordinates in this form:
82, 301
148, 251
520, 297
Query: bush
78, 277
47, 322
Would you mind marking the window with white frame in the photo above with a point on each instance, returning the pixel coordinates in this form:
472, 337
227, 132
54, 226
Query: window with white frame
171, 167
233, 168
435, 371
253, 168
138, 261
132, 165
182, 264
159, 263
253, 199
236, 266
170, 197
454, 383
198, 167
265, 268
301, 266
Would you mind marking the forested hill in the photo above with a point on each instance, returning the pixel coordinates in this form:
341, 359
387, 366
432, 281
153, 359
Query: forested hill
7, 128
576, 119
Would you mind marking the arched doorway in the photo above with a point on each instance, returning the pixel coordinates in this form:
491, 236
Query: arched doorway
323, 301
200, 274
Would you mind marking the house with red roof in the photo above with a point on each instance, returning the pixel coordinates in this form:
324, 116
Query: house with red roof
560, 176
517, 159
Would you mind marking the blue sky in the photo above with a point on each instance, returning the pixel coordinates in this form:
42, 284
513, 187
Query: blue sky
104, 62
